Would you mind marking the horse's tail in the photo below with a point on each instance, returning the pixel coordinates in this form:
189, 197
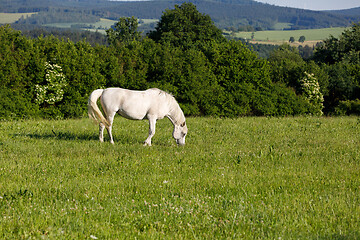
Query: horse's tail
93, 109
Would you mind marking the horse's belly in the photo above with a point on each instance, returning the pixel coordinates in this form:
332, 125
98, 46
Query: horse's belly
132, 115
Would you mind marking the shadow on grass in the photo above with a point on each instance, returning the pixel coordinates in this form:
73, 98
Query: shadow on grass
60, 136
69, 136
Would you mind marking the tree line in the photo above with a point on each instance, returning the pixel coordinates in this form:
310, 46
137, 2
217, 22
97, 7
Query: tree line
186, 55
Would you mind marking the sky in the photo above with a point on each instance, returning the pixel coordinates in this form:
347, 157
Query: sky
315, 4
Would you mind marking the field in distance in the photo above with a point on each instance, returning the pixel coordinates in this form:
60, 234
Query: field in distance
312, 36
12, 17
100, 26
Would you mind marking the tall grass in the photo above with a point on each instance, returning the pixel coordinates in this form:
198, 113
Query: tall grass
251, 178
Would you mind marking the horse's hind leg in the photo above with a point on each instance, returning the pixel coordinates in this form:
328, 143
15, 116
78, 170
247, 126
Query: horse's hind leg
110, 119
101, 132
110, 134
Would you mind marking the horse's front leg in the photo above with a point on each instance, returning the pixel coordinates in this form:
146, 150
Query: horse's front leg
152, 123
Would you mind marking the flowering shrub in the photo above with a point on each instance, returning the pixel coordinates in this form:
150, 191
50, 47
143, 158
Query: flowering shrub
53, 91
311, 91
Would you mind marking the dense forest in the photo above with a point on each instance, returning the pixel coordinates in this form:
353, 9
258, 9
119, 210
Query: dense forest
208, 74
226, 14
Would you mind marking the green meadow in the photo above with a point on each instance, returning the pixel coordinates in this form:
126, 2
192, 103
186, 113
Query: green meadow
279, 35
103, 23
245, 178
12, 17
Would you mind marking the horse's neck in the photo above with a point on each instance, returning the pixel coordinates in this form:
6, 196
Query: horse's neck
176, 115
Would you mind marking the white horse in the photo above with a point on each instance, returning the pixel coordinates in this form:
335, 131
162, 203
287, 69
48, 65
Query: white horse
152, 104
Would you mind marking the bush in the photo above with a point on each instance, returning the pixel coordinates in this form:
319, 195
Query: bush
13, 105
311, 91
348, 107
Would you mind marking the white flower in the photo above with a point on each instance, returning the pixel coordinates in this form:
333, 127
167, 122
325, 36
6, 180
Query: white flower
53, 91
311, 90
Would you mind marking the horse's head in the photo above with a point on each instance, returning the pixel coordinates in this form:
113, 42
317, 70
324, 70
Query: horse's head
179, 133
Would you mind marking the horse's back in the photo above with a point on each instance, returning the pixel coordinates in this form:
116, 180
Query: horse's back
134, 104
152, 95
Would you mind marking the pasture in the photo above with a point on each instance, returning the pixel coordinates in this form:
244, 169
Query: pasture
245, 178
12, 17
284, 36
100, 26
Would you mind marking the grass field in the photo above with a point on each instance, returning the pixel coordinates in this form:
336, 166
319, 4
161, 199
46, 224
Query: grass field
246, 178
103, 23
12, 17
100, 26
312, 35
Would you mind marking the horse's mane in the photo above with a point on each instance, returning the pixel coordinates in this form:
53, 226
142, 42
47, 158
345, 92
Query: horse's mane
176, 111
168, 95
162, 92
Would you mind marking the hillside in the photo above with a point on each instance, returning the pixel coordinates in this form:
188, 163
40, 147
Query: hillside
347, 12
352, 14
227, 14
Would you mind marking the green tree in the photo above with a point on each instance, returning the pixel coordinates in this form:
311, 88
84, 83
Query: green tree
125, 31
18, 68
341, 60
185, 27
343, 85
287, 66
302, 39
244, 79
345, 48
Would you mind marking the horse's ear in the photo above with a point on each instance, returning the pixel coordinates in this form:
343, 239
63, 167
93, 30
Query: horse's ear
183, 124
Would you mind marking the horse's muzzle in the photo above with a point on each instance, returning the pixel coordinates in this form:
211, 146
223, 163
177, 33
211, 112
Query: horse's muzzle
180, 142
